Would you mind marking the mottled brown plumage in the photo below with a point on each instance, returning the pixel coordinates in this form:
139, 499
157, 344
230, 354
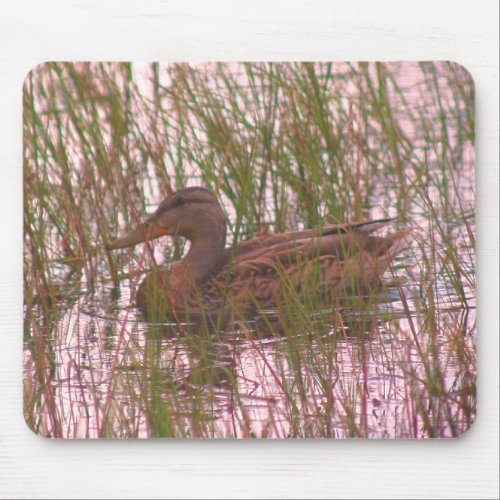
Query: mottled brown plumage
263, 272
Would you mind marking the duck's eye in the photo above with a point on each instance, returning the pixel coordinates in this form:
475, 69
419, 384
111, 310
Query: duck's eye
179, 202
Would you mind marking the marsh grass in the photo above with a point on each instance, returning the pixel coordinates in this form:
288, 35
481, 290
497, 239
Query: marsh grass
284, 147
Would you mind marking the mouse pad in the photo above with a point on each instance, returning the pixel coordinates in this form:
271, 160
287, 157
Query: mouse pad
249, 250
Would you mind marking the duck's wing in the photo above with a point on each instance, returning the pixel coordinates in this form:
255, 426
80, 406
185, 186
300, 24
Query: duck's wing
332, 238
338, 250
332, 261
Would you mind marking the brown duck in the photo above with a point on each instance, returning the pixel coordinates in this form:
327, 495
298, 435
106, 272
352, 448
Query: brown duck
263, 272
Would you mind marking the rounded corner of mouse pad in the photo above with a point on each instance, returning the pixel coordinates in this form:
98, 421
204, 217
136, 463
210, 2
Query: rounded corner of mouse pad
249, 250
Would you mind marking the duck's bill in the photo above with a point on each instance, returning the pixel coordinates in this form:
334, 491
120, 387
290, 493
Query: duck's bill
146, 231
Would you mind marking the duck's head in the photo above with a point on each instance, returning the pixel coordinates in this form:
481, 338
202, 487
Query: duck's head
193, 213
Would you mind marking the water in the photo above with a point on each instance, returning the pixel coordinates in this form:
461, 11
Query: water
243, 382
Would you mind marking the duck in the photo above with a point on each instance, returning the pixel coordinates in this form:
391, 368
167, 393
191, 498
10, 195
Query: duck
264, 272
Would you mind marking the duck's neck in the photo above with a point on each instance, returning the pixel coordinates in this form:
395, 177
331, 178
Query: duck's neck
204, 256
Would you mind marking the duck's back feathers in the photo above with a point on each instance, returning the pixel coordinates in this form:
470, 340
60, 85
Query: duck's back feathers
334, 261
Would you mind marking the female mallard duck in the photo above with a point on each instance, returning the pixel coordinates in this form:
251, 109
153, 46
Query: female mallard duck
258, 273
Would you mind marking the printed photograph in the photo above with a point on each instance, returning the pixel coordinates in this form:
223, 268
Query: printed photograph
249, 250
